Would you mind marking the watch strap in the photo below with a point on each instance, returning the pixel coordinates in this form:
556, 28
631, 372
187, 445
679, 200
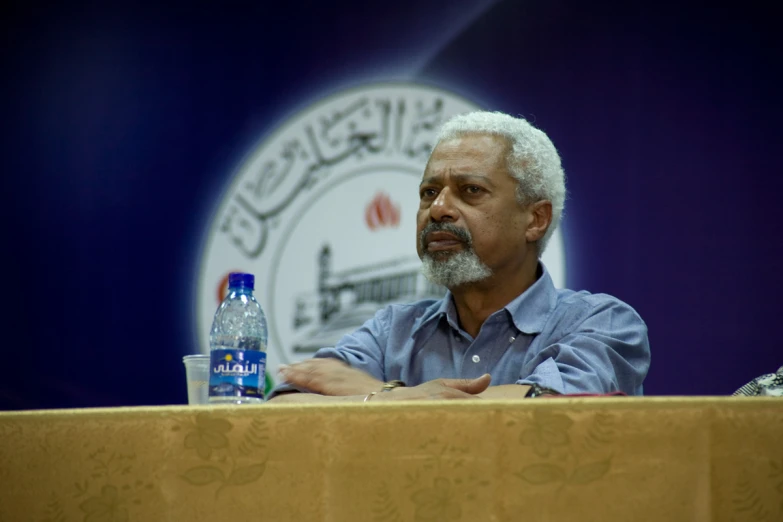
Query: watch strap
389, 386
536, 390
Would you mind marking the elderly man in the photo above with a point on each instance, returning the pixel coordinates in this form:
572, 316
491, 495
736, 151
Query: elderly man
491, 196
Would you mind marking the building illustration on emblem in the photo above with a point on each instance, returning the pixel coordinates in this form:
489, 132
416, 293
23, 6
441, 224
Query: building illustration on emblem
345, 300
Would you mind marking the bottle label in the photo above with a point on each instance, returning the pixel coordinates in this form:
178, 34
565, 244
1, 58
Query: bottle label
237, 373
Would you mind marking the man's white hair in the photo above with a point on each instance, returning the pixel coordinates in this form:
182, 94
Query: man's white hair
533, 159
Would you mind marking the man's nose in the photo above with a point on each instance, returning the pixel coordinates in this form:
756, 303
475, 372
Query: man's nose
443, 208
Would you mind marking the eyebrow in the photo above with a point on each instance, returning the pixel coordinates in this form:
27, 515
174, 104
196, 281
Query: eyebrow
459, 178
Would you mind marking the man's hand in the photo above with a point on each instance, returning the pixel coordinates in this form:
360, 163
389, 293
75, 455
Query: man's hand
506, 391
330, 377
437, 390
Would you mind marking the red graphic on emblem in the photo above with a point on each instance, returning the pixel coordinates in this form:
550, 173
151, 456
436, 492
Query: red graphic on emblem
381, 212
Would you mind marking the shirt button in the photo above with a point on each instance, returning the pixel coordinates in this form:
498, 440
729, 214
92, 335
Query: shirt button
476, 358
511, 339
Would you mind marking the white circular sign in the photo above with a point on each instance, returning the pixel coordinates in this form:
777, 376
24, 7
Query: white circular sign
324, 214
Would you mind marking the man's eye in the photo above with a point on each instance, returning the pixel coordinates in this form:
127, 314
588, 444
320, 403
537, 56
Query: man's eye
473, 189
428, 193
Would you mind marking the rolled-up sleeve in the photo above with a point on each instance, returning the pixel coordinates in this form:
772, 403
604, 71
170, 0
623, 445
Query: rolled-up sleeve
605, 349
361, 349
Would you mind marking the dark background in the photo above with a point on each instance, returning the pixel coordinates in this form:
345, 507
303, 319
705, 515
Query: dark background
122, 124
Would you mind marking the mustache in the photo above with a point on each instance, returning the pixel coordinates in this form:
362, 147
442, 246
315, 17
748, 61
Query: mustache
460, 233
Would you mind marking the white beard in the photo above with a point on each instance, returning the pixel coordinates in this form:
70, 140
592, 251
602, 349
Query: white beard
456, 269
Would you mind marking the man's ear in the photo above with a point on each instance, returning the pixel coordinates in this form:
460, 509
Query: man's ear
540, 219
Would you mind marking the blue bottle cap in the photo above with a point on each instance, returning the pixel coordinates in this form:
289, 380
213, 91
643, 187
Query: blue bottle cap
240, 279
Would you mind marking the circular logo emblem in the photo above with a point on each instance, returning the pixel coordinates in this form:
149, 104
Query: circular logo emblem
323, 212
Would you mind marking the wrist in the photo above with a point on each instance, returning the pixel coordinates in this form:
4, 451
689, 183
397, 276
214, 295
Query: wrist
536, 390
386, 387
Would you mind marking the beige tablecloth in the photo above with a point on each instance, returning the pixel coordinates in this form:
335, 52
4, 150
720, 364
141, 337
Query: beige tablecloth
597, 459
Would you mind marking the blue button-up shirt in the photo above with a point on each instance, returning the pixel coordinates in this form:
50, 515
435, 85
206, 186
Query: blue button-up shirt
573, 342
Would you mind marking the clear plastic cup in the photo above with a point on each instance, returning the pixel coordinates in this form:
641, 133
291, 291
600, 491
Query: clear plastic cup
197, 374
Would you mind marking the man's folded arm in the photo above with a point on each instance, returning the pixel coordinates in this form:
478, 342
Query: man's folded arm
296, 397
362, 350
607, 352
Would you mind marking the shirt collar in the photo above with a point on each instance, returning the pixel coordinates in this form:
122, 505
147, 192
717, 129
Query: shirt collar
529, 311
445, 308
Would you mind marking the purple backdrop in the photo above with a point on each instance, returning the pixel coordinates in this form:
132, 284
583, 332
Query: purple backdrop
122, 122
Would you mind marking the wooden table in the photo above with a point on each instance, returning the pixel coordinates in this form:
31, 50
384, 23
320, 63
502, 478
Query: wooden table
551, 459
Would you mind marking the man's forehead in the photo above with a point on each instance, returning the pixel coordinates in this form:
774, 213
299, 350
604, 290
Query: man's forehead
464, 154
460, 177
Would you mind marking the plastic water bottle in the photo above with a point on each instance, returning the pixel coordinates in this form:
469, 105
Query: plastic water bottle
237, 345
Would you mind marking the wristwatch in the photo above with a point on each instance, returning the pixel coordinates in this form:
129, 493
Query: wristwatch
536, 390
